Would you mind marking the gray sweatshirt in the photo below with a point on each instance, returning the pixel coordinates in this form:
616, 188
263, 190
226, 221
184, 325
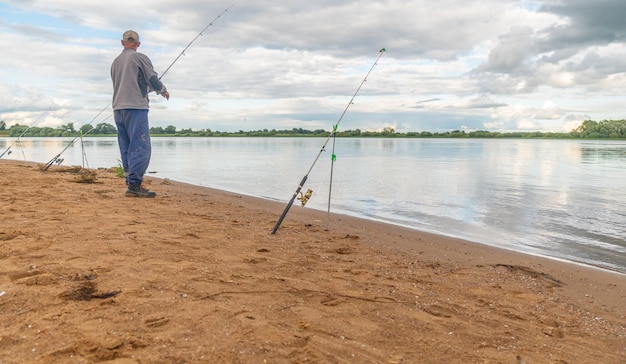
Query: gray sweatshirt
133, 77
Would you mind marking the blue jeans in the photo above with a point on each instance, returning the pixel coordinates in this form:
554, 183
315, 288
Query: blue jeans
133, 137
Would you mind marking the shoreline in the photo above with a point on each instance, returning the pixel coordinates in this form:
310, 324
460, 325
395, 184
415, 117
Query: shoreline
321, 218
281, 206
194, 275
538, 255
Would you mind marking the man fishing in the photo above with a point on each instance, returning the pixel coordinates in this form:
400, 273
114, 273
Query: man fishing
133, 78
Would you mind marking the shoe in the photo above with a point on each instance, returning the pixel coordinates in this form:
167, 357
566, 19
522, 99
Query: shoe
138, 191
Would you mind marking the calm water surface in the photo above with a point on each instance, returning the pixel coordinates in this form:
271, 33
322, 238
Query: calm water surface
558, 198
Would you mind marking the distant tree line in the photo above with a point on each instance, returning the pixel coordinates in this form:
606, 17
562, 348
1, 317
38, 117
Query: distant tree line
589, 129
60, 131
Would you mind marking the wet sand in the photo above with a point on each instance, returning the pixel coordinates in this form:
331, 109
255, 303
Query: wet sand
194, 276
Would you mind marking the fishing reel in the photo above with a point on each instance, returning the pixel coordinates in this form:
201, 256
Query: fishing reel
305, 197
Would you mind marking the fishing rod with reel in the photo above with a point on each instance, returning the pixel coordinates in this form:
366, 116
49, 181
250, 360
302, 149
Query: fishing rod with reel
305, 197
17, 140
13, 107
57, 158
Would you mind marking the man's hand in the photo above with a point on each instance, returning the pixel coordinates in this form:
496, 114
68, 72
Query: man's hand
166, 95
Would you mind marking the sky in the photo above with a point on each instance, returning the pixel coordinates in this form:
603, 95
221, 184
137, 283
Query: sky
495, 65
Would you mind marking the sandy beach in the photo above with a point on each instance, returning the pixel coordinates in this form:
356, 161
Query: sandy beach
194, 276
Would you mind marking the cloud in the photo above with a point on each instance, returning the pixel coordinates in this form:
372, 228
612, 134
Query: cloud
590, 22
275, 64
577, 49
481, 103
512, 54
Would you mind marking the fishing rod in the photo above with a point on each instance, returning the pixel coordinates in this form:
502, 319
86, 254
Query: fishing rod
23, 133
82, 150
194, 39
334, 134
305, 197
56, 158
13, 107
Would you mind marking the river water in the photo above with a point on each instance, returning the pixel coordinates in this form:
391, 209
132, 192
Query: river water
564, 199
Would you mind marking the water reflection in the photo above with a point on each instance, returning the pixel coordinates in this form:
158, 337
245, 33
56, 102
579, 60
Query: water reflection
557, 198
591, 152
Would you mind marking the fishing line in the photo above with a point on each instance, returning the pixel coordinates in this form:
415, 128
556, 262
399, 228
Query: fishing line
305, 197
57, 158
